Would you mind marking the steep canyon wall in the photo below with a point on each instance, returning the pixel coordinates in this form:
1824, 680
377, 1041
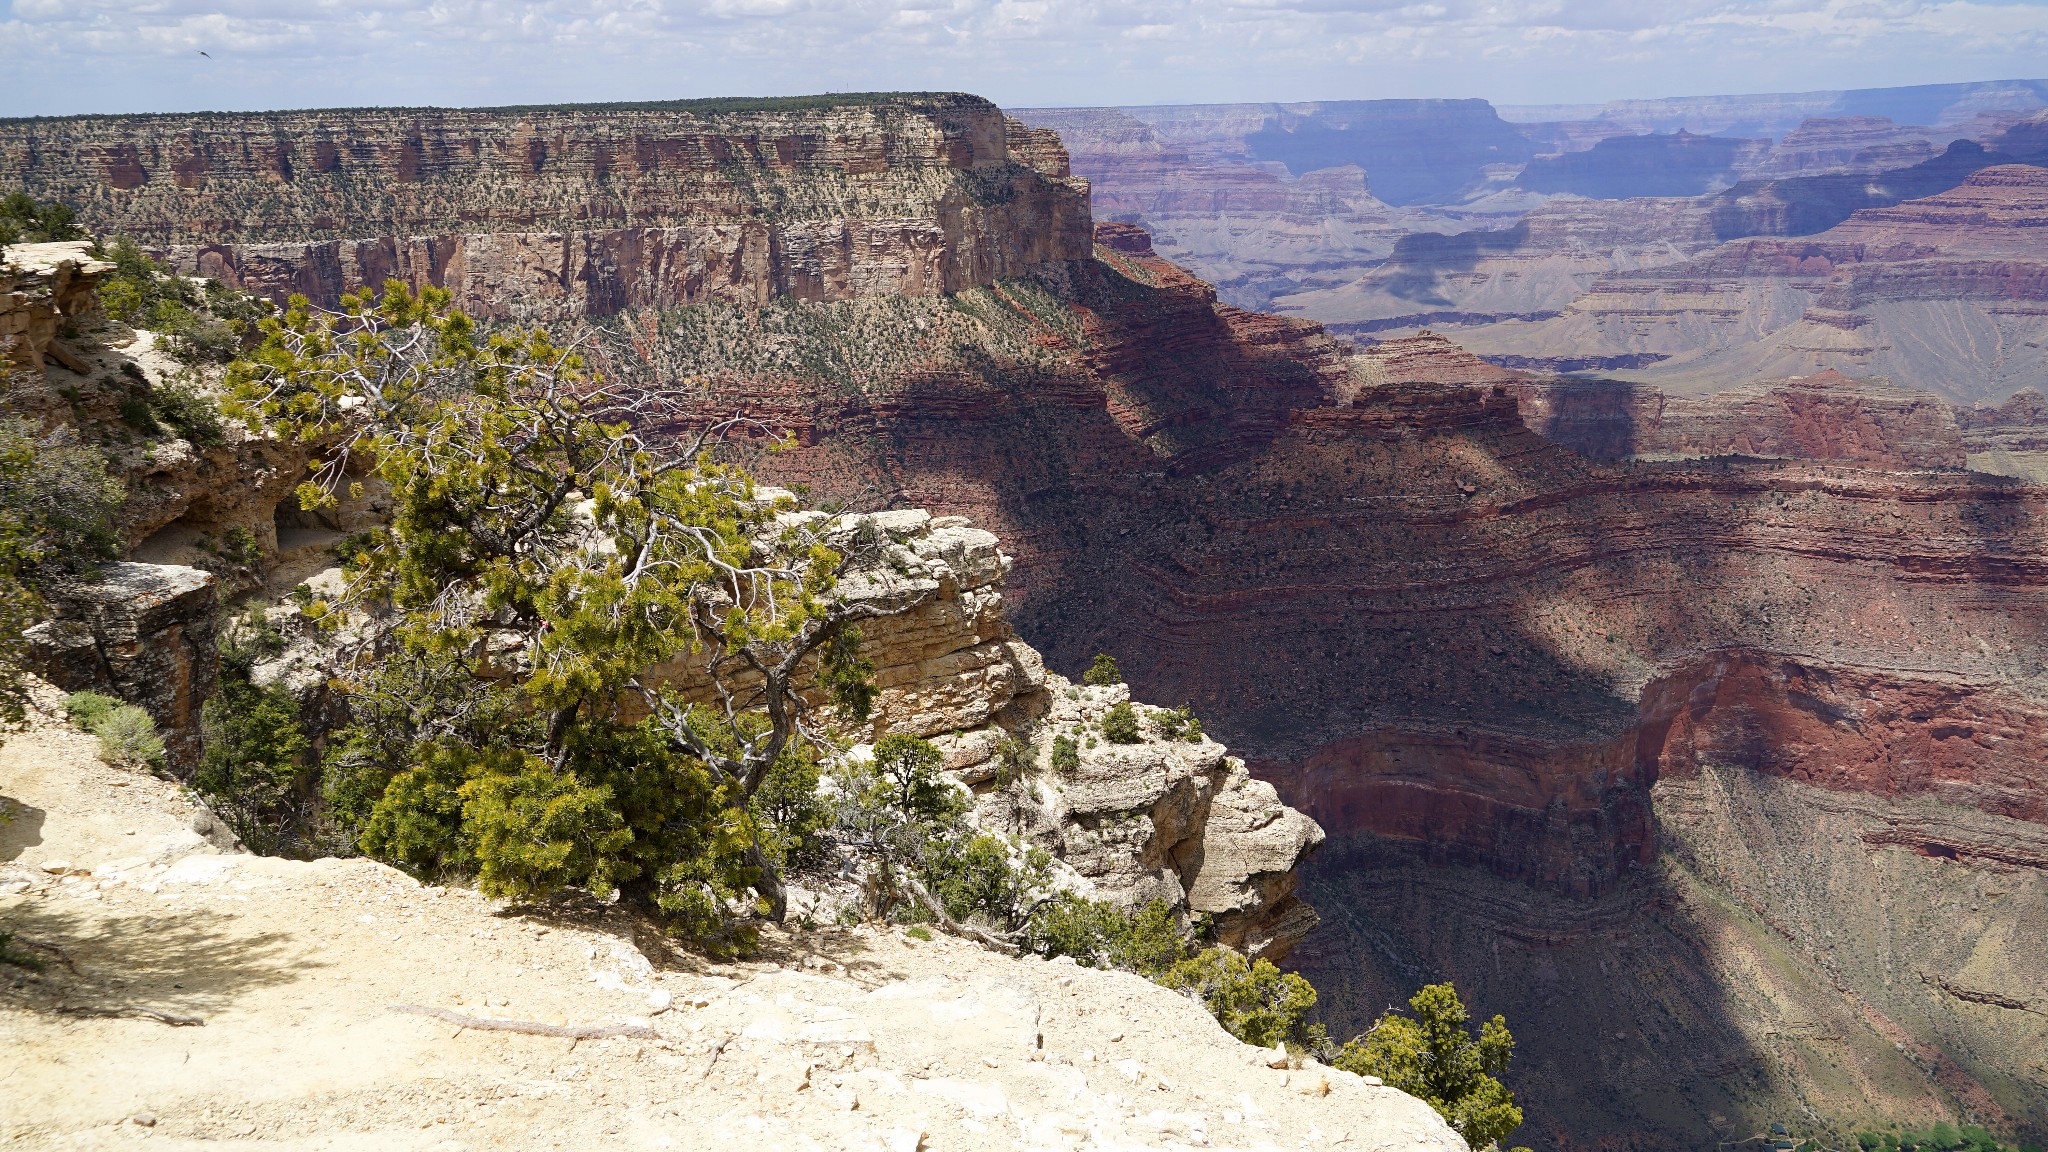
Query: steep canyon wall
570, 212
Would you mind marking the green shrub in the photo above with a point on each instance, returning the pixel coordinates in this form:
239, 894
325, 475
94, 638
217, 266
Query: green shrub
1012, 758
975, 878
1120, 725
918, 932
792, 814
1066, 755
137, 414
190, 413
1179, 724
128, 736
1434, 1057
87, 709
910, 767
256, 770
1103, 672
1253, 1000
24, 221
1098, 934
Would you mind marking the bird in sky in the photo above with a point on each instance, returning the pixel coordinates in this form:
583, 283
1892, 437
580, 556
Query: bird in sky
205, 53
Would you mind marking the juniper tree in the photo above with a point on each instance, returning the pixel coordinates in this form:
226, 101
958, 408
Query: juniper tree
1432, 1055
546, 550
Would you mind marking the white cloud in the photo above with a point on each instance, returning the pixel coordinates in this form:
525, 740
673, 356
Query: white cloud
109, 55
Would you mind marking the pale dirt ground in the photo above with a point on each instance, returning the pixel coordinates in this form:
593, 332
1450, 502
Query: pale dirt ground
855, 1038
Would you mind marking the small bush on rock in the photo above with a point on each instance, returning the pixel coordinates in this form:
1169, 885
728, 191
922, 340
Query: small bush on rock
1098, 934
1066, 755
128, 736
1120, 725
1103, 672
1253, 1000
87, 709
1179, 724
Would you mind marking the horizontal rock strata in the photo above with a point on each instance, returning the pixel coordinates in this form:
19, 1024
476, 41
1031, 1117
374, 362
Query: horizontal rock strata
574, 212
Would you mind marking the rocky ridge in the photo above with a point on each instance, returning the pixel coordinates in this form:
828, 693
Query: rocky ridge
1825, 416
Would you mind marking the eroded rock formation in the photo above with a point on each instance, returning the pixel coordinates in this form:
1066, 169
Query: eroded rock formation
1826, 416
1163, 818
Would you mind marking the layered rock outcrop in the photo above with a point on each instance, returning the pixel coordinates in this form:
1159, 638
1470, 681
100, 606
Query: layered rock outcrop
575, 212
144, 633
1162, 818
1826, 416
44, 288
225, 503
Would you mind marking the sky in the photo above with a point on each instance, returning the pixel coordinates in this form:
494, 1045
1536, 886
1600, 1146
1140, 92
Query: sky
67, 56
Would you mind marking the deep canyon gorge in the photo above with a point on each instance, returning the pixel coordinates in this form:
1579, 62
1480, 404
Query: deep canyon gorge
1691, 710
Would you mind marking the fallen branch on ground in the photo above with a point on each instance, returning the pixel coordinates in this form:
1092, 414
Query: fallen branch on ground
945, 922
135, 1011
530, 1028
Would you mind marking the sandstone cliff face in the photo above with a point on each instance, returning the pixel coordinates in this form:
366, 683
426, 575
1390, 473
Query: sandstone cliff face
574, 212
43, 288
1826, 416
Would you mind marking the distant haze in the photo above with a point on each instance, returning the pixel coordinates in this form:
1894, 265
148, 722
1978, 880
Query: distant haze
63, 56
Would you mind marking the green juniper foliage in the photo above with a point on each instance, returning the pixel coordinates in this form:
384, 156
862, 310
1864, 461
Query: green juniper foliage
257, 771
539, 558
1179, 724
1103, 672
1120, 724
1432, 1055
24, 221
1066, 755
1252, 999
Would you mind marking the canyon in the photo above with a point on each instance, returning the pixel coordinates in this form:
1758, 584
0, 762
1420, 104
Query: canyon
1269, 201
1700, 734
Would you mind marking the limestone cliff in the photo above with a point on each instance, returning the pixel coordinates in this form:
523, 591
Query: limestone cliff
557, 212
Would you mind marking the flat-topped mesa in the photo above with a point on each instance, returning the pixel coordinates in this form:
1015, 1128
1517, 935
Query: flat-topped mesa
1165, 817
572, 211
